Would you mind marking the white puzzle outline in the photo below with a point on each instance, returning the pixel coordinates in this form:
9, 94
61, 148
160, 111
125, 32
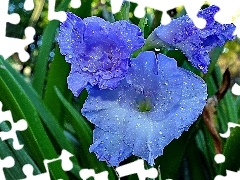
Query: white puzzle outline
228, 10
20, 125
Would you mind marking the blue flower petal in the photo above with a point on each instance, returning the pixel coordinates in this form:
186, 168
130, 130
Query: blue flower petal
109, 147
181, 33
147, 116
65, 38
99, 49
77, 81
129, 35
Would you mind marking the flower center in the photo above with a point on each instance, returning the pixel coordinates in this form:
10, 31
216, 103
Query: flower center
144, 105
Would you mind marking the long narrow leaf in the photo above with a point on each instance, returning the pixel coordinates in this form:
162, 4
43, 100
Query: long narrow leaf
84, 134
48, 119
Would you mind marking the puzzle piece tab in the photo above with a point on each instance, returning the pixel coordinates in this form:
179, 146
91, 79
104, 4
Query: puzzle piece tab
8, 162
231, 175
191, 7
229, 10
60, 15
87, 173
137, 167
66, 166
8, 45
236, 89
21, 125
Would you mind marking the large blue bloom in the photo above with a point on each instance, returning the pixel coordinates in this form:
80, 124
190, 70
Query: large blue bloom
154, 105
99, 51
181, 33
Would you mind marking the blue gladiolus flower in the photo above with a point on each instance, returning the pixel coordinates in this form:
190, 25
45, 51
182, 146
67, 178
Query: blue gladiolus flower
99, 51
154, 104
181, 33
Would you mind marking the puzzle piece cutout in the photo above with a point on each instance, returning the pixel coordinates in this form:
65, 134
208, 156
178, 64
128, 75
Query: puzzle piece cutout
229, 13
66, 164
230, 175
87, 173
28, 5
7, 162
21, 125
60, 15
191, 7
236, 89
10, 45
227, 133
137, 167
228, 10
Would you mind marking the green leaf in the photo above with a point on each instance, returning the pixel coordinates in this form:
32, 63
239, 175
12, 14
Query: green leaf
35, 137
196, 163
173, 154
85, 9
57, 76
84, 135
123, 14
40, 69
214, 56
21, 157
20, 88
142, 23
231, 151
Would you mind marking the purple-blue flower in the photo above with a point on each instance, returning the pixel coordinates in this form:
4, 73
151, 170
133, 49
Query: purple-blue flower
181, 33
154, 104
98, 51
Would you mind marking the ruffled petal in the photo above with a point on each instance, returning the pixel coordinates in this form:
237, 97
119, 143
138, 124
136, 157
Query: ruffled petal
109, 147
100, 49
77, 81
130, 35
181, 33
67, 42
175, 102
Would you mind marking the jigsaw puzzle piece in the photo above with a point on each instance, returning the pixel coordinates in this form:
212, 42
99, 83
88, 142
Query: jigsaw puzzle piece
229, 13
28, 171
28, 5
21, 125
137, 167
60, 15
66, 164
7, 162
236, 89
17, 45
5, 17
230, 175
14, 45
192, 8
87, 173
116, 5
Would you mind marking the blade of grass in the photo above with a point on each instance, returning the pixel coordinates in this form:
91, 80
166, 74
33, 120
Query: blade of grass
47, 117
123, 14
55, 78
84, 135
35, 137
40, 69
